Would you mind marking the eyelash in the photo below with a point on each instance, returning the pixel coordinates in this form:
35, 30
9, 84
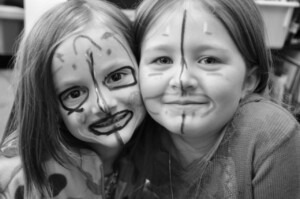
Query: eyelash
126, 78
70, 103
159, 59
209, 58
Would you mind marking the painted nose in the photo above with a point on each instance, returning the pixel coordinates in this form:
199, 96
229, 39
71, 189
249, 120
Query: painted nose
183, 80
104, 101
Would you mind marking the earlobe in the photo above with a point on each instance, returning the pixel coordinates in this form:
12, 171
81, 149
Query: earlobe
251, 81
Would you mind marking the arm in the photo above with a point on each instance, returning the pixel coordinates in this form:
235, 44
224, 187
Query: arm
277, 172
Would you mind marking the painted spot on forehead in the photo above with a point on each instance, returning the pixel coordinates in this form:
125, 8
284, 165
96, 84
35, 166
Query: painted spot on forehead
154, 74
166, 33
108, 52
107, 35
183, 62
205, 28
74, 66
60, 57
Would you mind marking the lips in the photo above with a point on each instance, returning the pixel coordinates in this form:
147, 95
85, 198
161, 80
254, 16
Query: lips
111, 124
184, 102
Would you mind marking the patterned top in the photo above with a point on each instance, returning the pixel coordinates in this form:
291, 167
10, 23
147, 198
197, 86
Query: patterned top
83, 181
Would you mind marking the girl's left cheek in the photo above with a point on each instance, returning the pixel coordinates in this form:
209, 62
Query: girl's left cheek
81, 118
135, 100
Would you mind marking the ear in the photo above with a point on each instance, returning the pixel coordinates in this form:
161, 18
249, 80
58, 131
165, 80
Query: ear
251, 82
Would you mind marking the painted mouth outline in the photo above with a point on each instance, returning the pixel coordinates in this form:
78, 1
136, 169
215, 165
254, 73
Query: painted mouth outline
111, 121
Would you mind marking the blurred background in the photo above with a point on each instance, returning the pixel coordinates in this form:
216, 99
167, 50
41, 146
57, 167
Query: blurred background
281, 17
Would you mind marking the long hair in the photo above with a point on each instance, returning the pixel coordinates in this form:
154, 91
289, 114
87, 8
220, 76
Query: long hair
42, 133
244, 23
241, 18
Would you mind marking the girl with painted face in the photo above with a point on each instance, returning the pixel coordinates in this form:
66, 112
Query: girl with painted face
77, 104
204, 72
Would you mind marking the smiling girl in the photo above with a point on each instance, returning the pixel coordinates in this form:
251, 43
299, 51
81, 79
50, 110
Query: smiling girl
77, 105
204, 72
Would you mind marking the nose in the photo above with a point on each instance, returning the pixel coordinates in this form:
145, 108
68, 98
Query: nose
183, 80
103, 101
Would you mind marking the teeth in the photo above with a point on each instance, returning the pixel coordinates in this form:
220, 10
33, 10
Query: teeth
111, 124
111, 121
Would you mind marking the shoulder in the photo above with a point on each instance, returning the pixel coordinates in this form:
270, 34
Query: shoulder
264, 128
262, 115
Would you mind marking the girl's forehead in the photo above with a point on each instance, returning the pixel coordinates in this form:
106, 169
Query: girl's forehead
190, 18
194, 13
95, 44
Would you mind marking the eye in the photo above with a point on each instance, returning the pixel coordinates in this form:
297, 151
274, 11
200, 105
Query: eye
163, 60
208, 60
73, 97
115, 77
120, 78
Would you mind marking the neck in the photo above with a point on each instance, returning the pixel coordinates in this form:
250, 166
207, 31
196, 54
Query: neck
108, 157
192, 148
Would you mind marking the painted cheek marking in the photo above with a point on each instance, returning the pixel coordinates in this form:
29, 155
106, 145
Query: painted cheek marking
100, 100
182, 124
215, 74
155, 74
108, 52
183, 62
119, 138
78, 110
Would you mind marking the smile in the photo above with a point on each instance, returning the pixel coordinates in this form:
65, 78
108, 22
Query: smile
111, 124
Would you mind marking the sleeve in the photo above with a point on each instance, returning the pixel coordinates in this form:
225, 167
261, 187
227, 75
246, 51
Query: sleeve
277, 172
11, 172
11, 177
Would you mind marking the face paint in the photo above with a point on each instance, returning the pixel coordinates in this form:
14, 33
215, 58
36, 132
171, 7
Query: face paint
191, 87
183, 62
95, 85
167, 31
205, 28
90, 60
60, 57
